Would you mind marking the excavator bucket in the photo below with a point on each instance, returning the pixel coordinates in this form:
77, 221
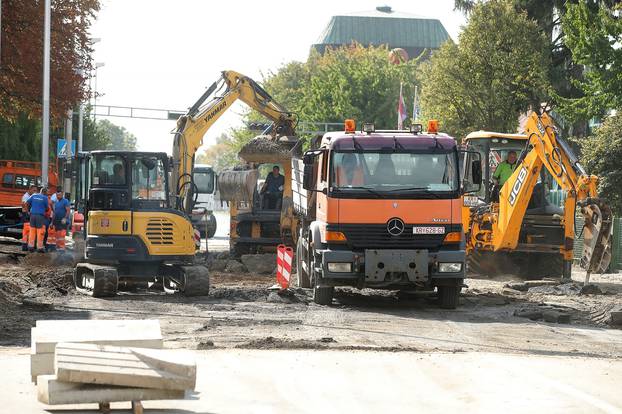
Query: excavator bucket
596, 236
264, 147
237, 185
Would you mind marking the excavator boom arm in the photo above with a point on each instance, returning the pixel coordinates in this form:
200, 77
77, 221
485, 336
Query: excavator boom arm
192, 127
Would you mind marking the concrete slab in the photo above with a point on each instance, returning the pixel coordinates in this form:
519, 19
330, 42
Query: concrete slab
50, 391
137, 333
131, 367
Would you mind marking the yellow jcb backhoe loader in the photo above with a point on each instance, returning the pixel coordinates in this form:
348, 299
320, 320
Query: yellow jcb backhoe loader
523, 232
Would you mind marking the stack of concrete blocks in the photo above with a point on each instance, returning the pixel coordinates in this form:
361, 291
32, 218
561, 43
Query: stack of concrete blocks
93, 368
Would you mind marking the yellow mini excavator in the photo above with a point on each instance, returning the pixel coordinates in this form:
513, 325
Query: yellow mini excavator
520, 230
137, 205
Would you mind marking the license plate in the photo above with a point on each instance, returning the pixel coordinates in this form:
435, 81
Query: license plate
105, 222
428, 230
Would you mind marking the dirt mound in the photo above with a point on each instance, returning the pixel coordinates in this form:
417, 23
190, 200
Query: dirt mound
263, 146
284, 343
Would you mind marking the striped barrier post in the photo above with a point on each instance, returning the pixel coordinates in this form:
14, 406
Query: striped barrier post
284, 258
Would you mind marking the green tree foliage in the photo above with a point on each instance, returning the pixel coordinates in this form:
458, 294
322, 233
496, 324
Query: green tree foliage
594, 34
601, 154
224, 153
349, 82
115, 137
497, 69
355, 82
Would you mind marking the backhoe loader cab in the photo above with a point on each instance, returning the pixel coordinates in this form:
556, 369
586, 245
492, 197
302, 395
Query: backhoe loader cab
132, 230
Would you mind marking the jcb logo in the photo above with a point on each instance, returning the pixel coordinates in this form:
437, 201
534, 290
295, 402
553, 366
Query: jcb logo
541, 128
522, 174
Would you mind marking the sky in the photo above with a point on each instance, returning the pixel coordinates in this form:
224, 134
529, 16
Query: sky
163, 54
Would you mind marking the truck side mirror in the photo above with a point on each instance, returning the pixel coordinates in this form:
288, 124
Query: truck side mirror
308, 177
310, 172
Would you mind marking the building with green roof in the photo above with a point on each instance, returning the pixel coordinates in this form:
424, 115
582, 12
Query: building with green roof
384, 26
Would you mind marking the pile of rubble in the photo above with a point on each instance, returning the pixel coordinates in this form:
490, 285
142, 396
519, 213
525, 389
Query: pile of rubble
263, 264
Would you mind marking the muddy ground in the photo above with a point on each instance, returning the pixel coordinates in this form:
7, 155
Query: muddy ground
501, 315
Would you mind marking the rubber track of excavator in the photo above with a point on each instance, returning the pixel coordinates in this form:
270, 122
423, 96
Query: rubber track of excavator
95, 280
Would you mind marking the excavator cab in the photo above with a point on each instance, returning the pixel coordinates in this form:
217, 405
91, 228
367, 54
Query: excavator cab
134, 235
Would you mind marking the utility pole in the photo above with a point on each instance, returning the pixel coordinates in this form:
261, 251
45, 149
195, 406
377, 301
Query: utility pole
80, 126
68, 151
45, 138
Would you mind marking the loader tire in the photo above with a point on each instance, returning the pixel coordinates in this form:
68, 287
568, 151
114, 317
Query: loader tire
534, 266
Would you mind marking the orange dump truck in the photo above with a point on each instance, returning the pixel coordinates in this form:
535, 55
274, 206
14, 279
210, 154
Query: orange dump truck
17, 177
380, 209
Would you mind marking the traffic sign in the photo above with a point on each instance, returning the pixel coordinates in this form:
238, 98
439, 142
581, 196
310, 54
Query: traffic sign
61, 148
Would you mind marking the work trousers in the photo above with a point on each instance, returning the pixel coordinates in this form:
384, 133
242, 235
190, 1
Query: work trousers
37, 231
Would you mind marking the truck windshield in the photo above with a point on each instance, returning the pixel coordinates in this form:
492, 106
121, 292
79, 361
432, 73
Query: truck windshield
391, 172
204, 180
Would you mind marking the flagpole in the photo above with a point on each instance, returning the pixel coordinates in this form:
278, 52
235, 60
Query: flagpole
415, 104
400, 123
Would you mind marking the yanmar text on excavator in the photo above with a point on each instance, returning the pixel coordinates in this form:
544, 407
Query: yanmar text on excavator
381, 209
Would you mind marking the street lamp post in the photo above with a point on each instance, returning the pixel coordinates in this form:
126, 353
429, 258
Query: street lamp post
97, 66
45, 137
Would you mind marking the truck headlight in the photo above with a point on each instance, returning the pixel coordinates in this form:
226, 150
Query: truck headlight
340, 267
449, 267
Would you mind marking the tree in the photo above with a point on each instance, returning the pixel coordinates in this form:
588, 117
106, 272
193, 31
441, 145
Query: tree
222, 155
348, 82
491, 76
118, 137
22, 55
355, 82
601, 154
593, 34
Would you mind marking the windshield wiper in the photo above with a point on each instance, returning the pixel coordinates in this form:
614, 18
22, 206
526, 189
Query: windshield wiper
369, 190
424, 190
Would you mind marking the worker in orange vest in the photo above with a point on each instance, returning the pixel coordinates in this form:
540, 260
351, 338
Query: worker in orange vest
50, 230
26, 216
38, 206
60, 219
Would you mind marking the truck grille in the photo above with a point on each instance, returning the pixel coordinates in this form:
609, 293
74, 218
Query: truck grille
160, 231
376, 236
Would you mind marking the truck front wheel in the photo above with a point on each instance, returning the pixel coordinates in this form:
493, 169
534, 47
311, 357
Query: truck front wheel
448, 296
304, 281
322, 295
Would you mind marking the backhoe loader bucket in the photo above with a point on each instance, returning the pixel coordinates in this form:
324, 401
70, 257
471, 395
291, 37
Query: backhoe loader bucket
265, 147
237, 185
596, 236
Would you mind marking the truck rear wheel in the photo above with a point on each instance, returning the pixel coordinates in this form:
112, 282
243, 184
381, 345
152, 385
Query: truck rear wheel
211, 227
302, 276
449, 296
